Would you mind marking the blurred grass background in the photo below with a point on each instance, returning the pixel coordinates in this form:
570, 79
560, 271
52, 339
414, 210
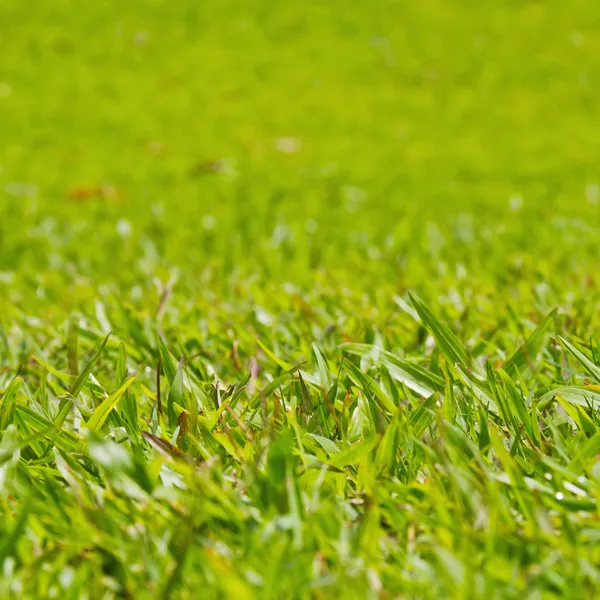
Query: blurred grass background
264, 139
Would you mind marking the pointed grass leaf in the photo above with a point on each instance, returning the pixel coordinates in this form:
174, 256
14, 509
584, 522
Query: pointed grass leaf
175, 394
423, 416
478, 387
328, 445
412, 375
583, 396
278, 381
368, 385
72, 339
353, 454
8, 402
526, 355
485, 440
67, 440
168, 361
324, 372
85, 372
102, 411
69, 380
581, 358
446, 340
282, 363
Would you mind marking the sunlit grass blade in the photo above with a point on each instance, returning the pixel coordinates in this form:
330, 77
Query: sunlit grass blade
415, 377
447, 341
583, 396
102, 411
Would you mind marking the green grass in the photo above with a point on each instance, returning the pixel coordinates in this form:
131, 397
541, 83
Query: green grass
347, 257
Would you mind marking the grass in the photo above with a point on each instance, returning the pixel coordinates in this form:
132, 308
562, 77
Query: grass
299, 300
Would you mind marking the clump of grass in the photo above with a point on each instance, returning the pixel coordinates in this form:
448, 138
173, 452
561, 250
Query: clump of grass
373, 469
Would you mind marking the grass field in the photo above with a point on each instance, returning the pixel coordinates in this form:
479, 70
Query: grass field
299, 299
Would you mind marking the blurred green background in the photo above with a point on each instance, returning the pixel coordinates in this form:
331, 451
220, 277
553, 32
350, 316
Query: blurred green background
384, 144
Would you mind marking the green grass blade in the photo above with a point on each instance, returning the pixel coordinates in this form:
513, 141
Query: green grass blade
583, 360
85, 372
415, 377
583, 396
446, 340
526, 355
102, 411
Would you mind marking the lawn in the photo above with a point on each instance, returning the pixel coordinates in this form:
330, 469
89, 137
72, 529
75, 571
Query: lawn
299, 299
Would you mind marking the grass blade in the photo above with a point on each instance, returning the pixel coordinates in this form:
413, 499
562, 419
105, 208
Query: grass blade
583, 360
447, 342
526, 355
102, 411
85, 373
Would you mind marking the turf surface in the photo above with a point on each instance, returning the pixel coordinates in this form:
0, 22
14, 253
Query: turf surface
347, 257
